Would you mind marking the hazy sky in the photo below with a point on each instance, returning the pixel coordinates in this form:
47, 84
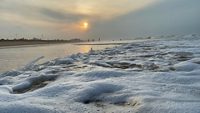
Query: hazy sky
108, 19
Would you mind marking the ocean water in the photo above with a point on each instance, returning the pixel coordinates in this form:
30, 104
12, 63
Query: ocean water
18, 56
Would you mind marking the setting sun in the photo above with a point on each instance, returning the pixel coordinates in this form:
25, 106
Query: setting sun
85, 25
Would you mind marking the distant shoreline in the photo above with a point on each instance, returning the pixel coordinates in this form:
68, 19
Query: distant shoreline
101, 44
13, 43
29, 45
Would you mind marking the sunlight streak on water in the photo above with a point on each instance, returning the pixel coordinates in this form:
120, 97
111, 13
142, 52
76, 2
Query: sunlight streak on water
85, 48
16, 57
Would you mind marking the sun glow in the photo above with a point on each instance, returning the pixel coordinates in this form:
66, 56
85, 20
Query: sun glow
85, 48
85, 25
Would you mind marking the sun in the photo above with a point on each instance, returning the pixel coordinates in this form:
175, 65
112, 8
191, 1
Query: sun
85, 25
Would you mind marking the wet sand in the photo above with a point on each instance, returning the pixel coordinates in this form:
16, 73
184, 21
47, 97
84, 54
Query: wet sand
19, 43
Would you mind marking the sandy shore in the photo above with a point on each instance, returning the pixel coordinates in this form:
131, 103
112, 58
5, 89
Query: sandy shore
19, 43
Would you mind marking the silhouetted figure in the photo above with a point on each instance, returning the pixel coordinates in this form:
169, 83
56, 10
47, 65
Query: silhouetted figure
149, 37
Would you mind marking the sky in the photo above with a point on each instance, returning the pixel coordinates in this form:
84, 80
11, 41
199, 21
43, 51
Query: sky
91, 19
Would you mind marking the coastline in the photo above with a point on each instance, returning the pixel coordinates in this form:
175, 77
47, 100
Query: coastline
101, 44
12, 44
30, 45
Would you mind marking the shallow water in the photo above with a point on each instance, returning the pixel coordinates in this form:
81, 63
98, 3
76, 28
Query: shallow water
17, 57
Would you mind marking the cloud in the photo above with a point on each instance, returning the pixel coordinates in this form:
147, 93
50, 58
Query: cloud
60, 16
63, 15
162, 18
119, 18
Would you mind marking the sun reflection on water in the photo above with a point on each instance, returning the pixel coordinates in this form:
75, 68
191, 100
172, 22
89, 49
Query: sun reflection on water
85, 48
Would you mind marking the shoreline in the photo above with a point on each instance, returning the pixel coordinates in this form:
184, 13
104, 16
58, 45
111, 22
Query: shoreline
28, 45
6, 45
102, 44
12, 44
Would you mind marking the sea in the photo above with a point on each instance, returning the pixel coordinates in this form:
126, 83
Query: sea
15, 57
